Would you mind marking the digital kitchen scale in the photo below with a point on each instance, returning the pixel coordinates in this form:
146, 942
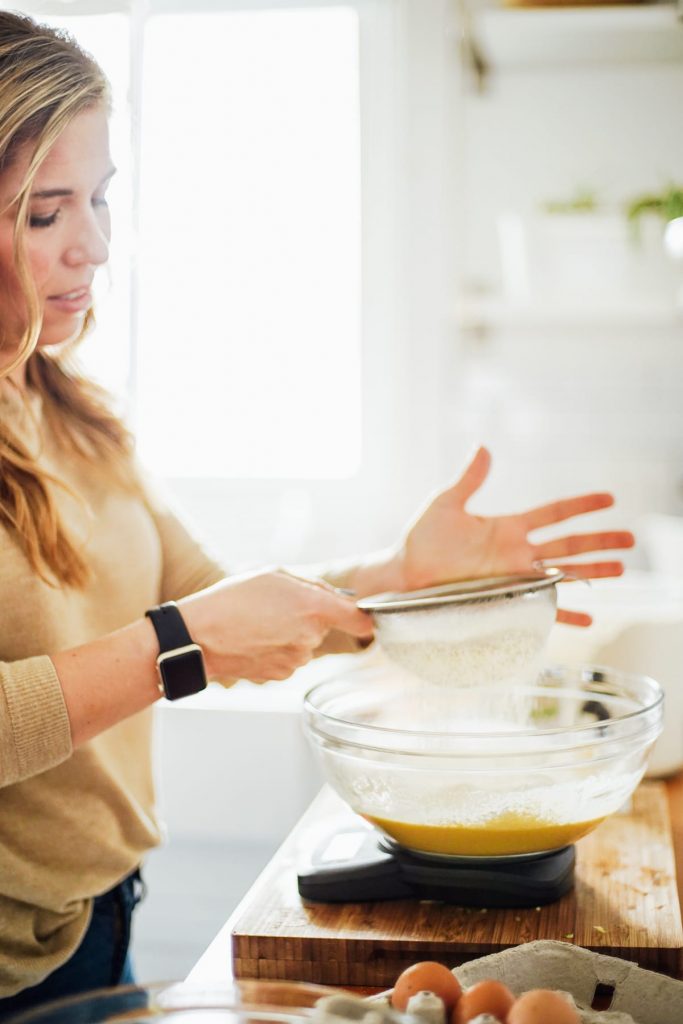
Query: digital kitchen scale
357, 864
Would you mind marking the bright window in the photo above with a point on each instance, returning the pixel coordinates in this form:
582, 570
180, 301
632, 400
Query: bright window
242, 356
249, 306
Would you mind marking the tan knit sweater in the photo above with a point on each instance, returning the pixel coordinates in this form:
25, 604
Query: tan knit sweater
75, 822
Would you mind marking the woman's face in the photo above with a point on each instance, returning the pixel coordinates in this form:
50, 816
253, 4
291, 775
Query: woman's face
67, 235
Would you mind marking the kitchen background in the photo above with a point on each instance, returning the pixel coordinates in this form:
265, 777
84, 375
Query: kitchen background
353, 241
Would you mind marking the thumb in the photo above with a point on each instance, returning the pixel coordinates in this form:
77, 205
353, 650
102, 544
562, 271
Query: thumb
472, 478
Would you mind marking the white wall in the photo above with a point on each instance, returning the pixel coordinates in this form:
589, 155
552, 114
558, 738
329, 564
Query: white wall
597, 402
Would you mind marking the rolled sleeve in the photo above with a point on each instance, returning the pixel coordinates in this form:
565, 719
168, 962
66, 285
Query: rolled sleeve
35, 732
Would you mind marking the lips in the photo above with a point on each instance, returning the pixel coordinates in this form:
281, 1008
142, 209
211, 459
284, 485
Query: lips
73, 295
76, 301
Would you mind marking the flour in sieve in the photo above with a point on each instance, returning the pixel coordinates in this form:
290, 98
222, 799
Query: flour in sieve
486, 659
475, 644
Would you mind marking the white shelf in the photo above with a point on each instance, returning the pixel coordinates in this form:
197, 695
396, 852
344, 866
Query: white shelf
496, 314
518, 38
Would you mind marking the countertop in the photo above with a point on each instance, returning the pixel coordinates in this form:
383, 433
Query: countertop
214, 968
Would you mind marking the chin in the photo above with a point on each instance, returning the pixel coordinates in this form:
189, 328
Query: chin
53, 335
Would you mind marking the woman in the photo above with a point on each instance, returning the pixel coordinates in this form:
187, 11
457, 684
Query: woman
88, 555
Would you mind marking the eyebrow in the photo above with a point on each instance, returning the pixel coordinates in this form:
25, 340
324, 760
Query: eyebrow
54, 193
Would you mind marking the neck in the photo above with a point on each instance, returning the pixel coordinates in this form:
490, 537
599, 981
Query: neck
16, 377
16, 380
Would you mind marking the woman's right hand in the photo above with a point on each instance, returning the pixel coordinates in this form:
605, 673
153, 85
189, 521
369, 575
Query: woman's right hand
265, 625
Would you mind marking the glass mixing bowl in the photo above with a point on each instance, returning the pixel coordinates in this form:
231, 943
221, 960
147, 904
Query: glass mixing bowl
485, 772
244, 1002
469, 633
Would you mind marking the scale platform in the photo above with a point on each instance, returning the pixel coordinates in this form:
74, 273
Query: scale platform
354, 864
624, 903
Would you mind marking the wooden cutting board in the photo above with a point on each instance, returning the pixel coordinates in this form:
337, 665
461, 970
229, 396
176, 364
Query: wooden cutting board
625, 903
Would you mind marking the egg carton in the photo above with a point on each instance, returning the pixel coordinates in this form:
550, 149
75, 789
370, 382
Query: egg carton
648, 997
622, 987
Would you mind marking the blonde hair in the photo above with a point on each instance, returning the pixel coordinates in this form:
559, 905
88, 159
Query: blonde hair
46, 79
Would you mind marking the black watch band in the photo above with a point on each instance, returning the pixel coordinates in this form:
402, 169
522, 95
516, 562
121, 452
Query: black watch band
180, 662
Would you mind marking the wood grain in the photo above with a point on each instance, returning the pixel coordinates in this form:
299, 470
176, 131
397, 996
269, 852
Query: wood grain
625, 903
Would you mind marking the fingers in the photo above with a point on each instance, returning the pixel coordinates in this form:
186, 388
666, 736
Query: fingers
573, 618
225, 681
580, 543
473, 477
341, 612
590, 570
565, 508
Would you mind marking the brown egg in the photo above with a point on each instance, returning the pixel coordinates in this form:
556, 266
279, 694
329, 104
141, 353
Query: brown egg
540, 1006
426, 976
485, 997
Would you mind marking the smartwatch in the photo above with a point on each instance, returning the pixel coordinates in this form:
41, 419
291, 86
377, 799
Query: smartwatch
180, 662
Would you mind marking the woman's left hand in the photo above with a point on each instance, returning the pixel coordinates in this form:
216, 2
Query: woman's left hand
447, 543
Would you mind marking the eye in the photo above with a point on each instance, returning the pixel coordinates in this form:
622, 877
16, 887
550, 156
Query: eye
100, 197
37, 221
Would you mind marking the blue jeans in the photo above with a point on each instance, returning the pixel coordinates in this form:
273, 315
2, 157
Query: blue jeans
101, 960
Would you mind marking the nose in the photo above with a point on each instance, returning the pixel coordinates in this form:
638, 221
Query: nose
89, 242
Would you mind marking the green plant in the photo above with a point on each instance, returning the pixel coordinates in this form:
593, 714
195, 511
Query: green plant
667, 204
583, 201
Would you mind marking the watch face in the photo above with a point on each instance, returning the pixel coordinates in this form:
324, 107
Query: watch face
182, 673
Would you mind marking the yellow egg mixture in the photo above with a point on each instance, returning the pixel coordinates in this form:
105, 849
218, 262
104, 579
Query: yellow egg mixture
505, 834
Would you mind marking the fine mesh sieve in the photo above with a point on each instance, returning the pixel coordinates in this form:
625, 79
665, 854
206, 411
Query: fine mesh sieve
468, 633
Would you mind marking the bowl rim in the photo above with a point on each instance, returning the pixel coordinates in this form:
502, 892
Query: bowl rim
463, 591
581, 673
166, 999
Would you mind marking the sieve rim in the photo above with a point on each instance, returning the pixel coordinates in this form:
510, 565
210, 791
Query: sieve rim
462, 592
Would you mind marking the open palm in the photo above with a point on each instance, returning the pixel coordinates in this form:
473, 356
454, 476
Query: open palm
447, 543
